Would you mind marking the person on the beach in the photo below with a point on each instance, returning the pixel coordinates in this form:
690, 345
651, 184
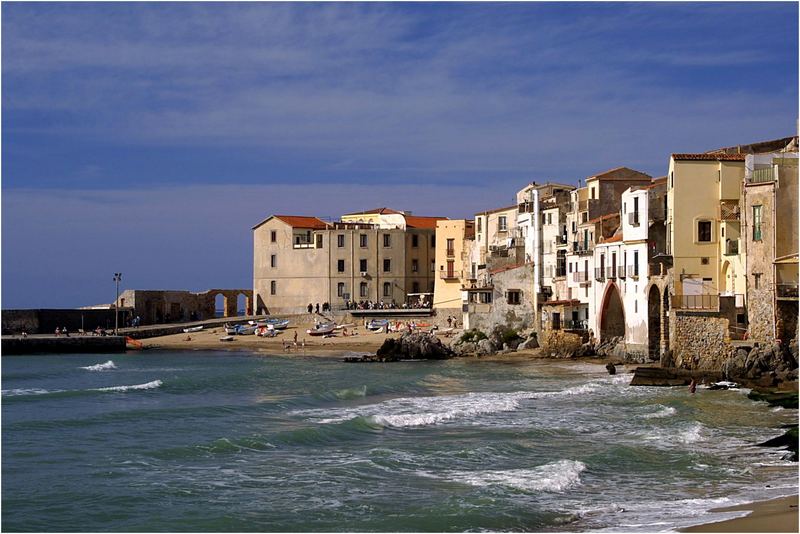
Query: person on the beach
58, 331
295, 337
64, 331
449, 321
317, 307
692, 386
310, 307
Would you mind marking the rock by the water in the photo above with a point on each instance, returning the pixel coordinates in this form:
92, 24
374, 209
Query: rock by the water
611, 368
414, 346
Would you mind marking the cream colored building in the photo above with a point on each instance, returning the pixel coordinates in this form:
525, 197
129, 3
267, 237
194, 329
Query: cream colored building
453, 264
303, 260
704, 228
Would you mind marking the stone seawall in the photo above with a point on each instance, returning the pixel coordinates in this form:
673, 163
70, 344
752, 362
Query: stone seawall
16, 345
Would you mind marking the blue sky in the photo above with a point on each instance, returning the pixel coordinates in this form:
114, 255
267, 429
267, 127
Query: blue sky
148, 138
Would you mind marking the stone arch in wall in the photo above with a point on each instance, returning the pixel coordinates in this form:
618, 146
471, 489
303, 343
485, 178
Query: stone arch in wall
231, 296
654, 323
726, 282
612, 314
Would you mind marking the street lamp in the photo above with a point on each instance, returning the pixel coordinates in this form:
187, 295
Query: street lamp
117, 279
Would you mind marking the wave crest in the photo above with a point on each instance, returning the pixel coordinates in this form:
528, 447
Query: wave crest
101, 366
149, 385
554, 477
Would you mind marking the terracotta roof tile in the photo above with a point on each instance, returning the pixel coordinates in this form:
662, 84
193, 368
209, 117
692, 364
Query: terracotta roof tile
612, 239
505, 268
299, 221
607, 175
708, 157
380, 211
414, 221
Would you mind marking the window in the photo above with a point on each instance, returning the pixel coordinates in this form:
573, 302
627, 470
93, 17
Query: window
451, 245
273, 236
363, 289
414, 240
318, 240
549, 218
340, 289
387, 289
273, 260
451, 269
485, 297
387, 265
756, 223
635, 263
362, 265
479, 223
592, 190
756, 280
415, 287
433, 241
340, 267
273, 287
574, 227
340, 240
585, 216
362, 240
514, 296
704, 231
502, 223
387, 240
414, 266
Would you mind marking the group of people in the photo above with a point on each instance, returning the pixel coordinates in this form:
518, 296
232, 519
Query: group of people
381, 305
135, 322
325, 307
62, 332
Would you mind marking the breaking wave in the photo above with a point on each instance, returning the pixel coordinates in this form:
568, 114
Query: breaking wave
555, 477
101, 366
150, 385
27, 391
665, 411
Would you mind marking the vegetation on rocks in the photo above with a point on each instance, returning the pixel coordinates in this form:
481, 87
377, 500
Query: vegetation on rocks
472, 336
559, 344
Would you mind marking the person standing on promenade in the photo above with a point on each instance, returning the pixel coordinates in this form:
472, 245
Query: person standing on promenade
310, 308
317, 307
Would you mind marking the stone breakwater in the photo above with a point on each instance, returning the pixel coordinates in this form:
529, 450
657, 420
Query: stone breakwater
16, 345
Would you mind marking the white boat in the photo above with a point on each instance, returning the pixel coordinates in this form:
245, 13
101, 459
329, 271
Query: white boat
193, 329
377, 324
266, 331
226, 338
246, 330
348, 325
231, 330
321, 329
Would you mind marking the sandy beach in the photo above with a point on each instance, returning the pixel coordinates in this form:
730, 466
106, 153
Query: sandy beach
775, 515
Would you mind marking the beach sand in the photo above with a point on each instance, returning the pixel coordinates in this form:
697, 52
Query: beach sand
776, 515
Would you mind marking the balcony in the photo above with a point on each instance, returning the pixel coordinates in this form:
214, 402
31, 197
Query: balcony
525, 207
621, 271
599, 274
611, 273
633, 271
450, 275
561, 239
582, 249
786, 291
633, 218
729, 210
695, 302
761, 176
569, 324
732, 247
451, 252
580, 277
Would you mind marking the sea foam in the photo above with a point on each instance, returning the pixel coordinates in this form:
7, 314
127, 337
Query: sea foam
101, 366
26, 391
665, 411
150, 385
554, 477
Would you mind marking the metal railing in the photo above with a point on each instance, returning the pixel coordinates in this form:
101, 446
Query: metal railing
599, 274
449, 275
766, 174
611, 273
732, 247
582, 249
633, 218
621, 271
580, 277
695, 302
569, 324
786, 290
633, 271
525, 207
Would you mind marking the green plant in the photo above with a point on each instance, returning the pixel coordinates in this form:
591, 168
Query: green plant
472, 336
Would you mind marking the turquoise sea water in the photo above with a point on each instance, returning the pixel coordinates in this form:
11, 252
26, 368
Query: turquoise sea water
220, 441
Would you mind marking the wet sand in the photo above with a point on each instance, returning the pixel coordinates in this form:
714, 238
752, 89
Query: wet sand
776, 515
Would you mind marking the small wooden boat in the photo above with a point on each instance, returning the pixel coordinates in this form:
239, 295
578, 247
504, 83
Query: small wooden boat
266, 331
321, 329
278, 324
246, 330
193, 329
377, 324
347, 325
226, 338
231, 330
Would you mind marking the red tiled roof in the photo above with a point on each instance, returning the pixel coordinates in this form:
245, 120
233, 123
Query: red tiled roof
612, 239
657, 181
569, 302
602, 217
379, 211
503, 269
298, 221
708, 157
606, 175
414, 221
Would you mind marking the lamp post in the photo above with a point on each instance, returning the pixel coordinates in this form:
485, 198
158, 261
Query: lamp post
117, 279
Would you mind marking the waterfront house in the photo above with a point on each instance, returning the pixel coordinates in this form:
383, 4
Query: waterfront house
454, 267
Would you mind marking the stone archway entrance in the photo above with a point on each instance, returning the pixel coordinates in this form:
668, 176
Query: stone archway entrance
231, 300
726, 284
653, 323
612, 314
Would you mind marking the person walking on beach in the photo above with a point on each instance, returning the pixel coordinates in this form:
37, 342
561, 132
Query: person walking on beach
692, 386
58, 331
295, 337
310, 307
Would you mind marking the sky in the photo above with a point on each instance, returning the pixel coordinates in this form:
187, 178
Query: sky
148, 138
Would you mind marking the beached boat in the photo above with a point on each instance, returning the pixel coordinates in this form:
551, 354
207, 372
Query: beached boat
346, 325
277, 324
226, 338
193, 329
377, 324
321, 329
246, 330
231, 330
266, 331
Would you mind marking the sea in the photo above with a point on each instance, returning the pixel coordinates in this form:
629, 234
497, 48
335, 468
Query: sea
236, 441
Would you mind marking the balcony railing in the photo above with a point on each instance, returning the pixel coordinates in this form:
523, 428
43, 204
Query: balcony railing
729, 210
451, 252
599, 274
525, 207
766, 174
582, 249
633, 271
561, 239
449, 275
732, 247
786, 291
695, 302
611, 273
580, 277
621, 271
569, 324
633, 218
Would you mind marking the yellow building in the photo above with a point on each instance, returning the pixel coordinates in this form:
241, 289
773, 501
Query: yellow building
704, 228
453, 264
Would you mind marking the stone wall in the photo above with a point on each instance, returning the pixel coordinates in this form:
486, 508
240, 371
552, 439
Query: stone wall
699, 341
517, 316
45, 321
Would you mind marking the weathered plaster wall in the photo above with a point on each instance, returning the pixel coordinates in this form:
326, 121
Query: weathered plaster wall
519, 316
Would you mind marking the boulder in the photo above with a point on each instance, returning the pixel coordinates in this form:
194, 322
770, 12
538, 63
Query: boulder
529, 344
485, 347
414, 346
